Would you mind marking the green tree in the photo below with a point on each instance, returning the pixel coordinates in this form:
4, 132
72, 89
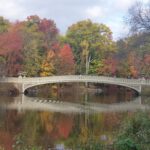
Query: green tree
33, 48
96, 37
39, 36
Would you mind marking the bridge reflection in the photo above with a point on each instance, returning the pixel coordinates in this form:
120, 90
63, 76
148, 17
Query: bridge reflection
22, 103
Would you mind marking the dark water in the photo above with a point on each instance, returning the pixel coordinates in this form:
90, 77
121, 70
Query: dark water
65, 118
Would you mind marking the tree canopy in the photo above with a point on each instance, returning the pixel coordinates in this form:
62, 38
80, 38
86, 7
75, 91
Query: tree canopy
88, 38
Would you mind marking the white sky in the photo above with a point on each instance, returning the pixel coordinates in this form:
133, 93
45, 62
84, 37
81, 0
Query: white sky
67, 12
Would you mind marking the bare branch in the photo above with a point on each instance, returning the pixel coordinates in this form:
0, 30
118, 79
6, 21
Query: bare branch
139, 17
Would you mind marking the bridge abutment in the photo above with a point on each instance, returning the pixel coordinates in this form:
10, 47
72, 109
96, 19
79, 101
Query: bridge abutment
19, 87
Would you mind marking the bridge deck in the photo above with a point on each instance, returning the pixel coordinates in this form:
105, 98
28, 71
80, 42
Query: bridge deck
34, 81
73, 78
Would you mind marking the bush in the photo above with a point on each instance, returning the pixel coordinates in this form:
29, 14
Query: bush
135, 133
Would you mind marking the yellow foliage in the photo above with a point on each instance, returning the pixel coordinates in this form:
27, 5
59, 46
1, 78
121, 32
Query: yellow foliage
84, 134
47, 69
46, 119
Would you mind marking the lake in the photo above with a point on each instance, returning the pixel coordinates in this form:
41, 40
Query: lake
66, 116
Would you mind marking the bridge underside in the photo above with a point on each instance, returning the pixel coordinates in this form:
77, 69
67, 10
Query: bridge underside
136, 88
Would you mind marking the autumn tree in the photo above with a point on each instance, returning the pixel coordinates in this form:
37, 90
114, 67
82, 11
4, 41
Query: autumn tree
66, 61
25, 46
48, 64
131, 55
133, 50
145, 66
11, 51
98, 37
32, 46
39, 35
50, 31
108, 67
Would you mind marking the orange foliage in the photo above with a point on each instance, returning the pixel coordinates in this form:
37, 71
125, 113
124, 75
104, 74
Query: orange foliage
109, 66
133, 62
133, 71
67, 60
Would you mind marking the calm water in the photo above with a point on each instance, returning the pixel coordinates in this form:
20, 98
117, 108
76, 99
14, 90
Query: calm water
65, 118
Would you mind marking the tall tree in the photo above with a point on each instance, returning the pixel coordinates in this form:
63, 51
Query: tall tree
66, 60
11, 51
139, 17
132, 52
33, 46
39, 36
97, 36
48, 27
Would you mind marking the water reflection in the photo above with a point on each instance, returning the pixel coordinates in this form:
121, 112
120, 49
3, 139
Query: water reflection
27, 122
23, 102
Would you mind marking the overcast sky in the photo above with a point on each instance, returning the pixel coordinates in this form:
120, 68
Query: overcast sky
67, 12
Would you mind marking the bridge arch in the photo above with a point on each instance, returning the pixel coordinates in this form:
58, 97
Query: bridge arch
136, 88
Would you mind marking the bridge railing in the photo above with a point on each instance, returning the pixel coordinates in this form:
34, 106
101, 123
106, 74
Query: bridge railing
69, 78
92, 78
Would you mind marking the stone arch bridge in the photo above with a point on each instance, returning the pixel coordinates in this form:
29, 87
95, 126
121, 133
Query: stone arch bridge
23, 83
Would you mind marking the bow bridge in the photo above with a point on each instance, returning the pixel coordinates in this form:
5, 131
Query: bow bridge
23, 83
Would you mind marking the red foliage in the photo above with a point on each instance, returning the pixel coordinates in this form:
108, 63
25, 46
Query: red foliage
10, 48
67, 60
48, 26
55, 47
50, 31
110, 66
133, 62
65, 126
10, 42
